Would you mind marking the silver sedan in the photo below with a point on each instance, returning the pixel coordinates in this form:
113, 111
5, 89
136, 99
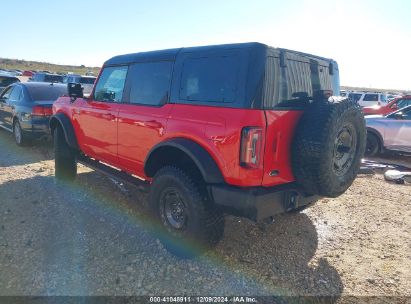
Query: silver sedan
390, 132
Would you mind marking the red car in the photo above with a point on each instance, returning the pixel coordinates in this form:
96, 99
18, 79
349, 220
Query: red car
28, 73
394, 105
241, 129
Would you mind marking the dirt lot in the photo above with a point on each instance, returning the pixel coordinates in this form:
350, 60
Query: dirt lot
90, 238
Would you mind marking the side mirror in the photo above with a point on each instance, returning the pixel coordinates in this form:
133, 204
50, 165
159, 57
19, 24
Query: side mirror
394, 106
75, 91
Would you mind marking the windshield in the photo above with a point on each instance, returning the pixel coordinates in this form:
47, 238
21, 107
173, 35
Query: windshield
46, 92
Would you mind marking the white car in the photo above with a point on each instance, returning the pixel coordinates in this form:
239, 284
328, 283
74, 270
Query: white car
87, 82
368, 99
390, 132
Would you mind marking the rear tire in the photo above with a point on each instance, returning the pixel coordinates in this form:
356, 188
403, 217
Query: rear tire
64, 157
373, 147
19, 137
187, 224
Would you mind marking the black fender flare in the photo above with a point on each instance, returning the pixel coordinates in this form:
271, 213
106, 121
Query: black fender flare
201, 158
68, 130
376, 133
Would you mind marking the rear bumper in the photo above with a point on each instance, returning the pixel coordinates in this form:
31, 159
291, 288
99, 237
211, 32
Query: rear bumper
258, 203
36, 129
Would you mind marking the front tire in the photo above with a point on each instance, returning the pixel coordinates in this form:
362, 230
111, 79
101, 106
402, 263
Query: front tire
373, 146
187, 224
64, 157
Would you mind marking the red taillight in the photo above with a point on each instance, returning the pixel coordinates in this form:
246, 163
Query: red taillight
42, 111
251, 147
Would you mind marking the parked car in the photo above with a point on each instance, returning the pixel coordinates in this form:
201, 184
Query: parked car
234, 129
46, 77
25, 109
391, 97
6, 80
87, 82
391, 132
367, 99
344, 93
392, 106
28, 73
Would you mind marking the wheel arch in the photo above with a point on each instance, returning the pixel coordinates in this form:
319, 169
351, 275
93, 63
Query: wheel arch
64, 122
379, 137
187, 150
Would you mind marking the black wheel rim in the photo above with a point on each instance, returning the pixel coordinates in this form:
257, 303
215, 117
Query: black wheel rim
372, 145
344, 149
173, 210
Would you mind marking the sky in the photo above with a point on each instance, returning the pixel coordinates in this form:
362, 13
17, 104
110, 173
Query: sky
370, 39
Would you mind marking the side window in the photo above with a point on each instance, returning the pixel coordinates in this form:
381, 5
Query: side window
110, 85
150, 83
15, 94
403, 103
371, 97
210, 79
407, 114
6, 93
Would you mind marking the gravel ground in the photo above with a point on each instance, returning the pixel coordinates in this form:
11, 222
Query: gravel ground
91, 238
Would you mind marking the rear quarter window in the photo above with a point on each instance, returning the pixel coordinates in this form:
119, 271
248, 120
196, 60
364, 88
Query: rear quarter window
210, 79
371, 97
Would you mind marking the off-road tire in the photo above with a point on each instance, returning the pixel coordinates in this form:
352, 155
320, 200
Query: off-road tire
373, 146
204, 224
64, 157
19, 137
317, 147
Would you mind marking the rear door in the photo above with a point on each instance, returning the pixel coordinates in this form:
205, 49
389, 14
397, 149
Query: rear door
4, 108
142, 121
97, 117
9, 106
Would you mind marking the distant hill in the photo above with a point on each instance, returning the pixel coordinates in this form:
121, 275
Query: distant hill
361, 89
44, 66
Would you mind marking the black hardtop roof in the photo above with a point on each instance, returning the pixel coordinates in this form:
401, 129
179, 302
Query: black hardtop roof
170, 54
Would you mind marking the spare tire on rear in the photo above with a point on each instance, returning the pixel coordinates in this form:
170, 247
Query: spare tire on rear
328, 146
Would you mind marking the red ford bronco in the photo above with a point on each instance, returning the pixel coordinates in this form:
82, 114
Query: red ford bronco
241, 129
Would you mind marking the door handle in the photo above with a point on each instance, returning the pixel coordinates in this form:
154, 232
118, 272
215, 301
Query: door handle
153, 124
109, 116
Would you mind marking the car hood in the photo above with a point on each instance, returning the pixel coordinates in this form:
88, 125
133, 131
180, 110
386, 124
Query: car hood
373, 116
375, 107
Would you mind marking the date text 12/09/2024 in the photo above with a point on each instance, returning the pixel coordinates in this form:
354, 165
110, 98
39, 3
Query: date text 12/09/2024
201, 299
